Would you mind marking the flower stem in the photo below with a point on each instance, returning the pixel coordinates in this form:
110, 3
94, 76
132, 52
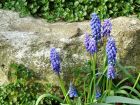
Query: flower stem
135, 83
110, 86
90, 88
64, 90
107, 85
94, 75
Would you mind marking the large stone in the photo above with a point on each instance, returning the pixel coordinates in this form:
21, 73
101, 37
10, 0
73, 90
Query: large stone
28, 41
126, 32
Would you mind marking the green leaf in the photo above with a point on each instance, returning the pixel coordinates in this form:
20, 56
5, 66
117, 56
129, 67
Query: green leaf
76, 3
122, 92
119, 99
131, 89
137, 1
97, 104
79, 101
48, 96
101, 104
123, 80
125, 72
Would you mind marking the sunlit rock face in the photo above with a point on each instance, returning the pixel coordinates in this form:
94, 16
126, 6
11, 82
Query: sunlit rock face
28, 41
126, 32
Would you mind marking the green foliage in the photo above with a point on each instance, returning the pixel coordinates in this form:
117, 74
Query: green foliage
48, 96
118, 99
126, 86
73, 10
123, 90
17, 5
20, 93
137, 7
23, 88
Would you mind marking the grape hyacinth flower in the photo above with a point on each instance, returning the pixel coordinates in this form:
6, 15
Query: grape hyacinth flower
106, 28
92, 46
87, 41
98, 94
55, 60
111, 51
95, 24
111, 72
72, 91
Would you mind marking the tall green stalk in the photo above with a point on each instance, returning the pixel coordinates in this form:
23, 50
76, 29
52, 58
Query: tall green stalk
107, 82
64, 90
89, 97
90, 88
94, 58
136, 82
110, 86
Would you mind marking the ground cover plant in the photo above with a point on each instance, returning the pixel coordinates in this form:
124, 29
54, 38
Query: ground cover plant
72, 10
24, 88
99, 85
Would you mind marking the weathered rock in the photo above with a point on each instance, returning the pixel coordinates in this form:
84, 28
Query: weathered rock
126, 32
28, 41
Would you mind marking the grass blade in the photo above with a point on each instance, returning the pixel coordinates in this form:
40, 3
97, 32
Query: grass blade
48, 96
119, 99
131, 89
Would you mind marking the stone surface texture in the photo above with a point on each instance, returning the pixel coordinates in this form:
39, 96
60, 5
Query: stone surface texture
28, 41
126, 32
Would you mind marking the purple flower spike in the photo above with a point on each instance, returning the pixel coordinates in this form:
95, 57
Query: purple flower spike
92, 46
55, 60
87, 41
111, 51
95, 24
98, 94
106, 28
111, 72
72, 91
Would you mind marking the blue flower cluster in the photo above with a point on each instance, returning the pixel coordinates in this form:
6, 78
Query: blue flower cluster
86, 42
90, 45
55, 60
106, 28
72, 91
111, 72
111, 51
104, 31
98, 94
95, 24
